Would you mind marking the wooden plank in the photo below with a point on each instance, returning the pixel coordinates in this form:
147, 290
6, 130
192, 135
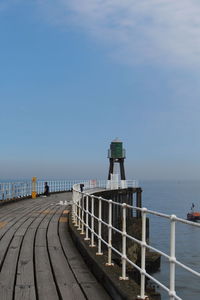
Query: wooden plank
25, 270
40, 240
25, 293
79, 267
46, 288
8, 235
7, 275
45, 223
23, 228
3, 223
5, 242
19, 217
66, 282
87, 281
38, 221
61, 220
25, 283
52, 233
7, 210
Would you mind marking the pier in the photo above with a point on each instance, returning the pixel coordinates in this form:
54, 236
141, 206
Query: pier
38, 259
78, 243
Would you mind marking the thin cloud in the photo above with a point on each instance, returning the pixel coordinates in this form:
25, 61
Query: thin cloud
156, 31
134, 31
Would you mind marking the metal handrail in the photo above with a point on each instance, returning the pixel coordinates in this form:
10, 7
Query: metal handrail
80, 214
21, 189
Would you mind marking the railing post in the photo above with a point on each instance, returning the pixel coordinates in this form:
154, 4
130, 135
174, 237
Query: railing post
86, 220
79, 212
109, 263
92, 222
76, 209
172, 292
82, 215
123, 277
143, 256
99, 227
73, 210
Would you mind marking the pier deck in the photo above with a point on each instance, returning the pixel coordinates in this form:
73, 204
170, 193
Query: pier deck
38, 259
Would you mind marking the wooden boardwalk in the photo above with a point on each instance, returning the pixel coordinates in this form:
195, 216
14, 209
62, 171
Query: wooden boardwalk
38, 259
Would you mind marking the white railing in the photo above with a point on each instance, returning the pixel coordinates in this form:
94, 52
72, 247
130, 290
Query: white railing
83, 209
11, 190
21, 189
132, 183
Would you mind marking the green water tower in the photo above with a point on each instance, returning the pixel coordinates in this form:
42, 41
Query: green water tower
116, 150
116, 154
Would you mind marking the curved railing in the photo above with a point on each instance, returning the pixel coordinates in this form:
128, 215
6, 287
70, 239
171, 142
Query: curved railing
84, 215
21, 189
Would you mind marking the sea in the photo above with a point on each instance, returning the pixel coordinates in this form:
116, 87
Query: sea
175, 197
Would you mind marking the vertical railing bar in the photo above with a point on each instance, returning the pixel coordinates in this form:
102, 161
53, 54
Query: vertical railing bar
123, 277
76, 209
82, 215
79, 212
99, 227
92, 222
109, 263
143, 256
172, 260
86, 220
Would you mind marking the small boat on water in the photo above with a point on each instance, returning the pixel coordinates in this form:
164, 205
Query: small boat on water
193, 215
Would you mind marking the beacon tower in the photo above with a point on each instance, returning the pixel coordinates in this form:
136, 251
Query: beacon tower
116, 154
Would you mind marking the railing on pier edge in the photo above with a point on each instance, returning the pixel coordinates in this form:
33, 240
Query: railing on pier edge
21, 189
83, 209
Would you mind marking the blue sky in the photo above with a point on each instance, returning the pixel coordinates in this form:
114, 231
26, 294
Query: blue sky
75, 75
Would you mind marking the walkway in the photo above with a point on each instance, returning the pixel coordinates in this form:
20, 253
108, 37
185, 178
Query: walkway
38, 259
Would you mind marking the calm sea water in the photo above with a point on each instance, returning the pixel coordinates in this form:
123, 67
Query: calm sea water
175, 198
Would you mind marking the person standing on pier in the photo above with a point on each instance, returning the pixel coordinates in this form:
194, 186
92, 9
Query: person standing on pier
46, 189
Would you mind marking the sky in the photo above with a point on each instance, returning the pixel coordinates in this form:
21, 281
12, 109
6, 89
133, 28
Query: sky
74, 75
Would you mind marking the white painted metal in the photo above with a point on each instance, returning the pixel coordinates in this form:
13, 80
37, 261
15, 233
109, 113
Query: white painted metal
86, 220
143, 254
123, 277
79, 213
108, 185
99, 228
123, 184
92, 222
109, 263
82, 214
172, 258
114, 181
